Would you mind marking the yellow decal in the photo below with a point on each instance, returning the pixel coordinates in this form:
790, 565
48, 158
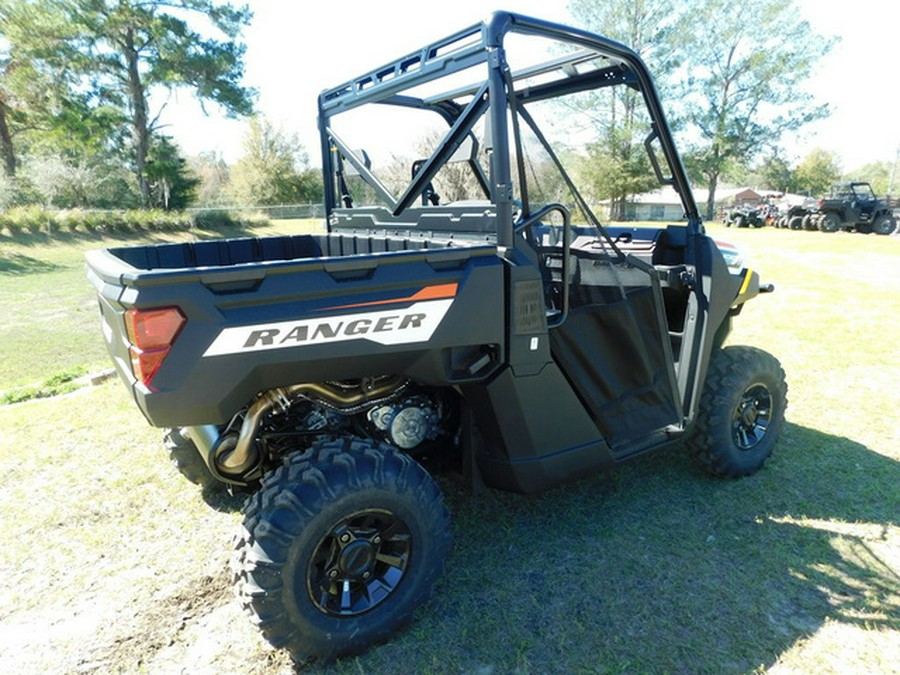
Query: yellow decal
748, 274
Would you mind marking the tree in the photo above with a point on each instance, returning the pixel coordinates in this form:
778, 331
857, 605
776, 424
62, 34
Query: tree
213, 173
38, 97
776, 174
172, 184
12, 82
7, 151
122, 50
877, 174
817, 171
745, 66
615, 169
274, 168
454, 181
646, 26
97, 180
617, 165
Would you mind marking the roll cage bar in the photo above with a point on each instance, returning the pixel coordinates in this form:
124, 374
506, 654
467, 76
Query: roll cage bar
602, 63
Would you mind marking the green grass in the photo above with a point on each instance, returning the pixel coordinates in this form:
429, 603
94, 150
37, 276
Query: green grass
112, 563
64, 382
50, 318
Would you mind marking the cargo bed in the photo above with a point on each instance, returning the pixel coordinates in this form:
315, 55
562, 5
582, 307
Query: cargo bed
316, 283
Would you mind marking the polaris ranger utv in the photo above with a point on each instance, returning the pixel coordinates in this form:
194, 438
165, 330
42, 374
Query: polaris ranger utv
465, 310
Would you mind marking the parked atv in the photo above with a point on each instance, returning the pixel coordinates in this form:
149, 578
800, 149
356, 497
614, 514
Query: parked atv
505, 337
745, 216
854, 206
795, 212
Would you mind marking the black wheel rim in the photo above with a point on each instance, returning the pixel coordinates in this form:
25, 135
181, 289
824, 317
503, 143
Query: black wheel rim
359, 563
751, 417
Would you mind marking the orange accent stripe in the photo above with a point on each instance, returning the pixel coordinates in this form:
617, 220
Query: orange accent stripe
436, 292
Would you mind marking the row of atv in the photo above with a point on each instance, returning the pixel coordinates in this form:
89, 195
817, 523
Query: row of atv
850, 206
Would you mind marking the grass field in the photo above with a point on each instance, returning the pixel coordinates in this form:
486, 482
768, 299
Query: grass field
50, 317
110, 562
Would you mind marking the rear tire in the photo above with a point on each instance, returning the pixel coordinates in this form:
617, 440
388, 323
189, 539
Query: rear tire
795, 222
339, 547
741, 412
186, 458
829, 222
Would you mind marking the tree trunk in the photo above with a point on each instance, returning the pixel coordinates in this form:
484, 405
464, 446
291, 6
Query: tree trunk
140, 134
711, 199
7, 152
618, 208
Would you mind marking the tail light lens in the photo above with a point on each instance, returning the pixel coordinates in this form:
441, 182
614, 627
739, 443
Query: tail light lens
151, 332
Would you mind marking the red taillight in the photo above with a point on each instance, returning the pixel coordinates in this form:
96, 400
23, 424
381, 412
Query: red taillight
151, 333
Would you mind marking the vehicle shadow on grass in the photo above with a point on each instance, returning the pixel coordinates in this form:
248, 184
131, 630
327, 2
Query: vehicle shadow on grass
657, 568
219, 499
16, 264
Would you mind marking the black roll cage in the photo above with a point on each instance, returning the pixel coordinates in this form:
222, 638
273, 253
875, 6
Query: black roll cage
483, 43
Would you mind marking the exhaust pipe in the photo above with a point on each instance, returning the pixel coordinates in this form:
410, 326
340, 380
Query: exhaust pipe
235, 454
204, 437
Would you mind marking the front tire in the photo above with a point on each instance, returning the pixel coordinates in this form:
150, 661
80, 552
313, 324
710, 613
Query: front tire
339, 546
884, 224
741, 412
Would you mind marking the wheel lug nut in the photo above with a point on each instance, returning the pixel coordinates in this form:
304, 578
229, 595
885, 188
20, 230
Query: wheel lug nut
345, 537
376, 539
366, 575
333, 574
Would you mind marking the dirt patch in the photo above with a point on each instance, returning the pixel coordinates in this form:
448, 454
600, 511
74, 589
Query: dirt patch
196, 628
159, 624
102, 634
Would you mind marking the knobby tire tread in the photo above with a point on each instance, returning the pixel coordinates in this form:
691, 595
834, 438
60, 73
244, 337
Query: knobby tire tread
728, 370
298, 490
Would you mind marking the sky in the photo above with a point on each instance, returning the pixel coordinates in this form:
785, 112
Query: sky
297, 49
